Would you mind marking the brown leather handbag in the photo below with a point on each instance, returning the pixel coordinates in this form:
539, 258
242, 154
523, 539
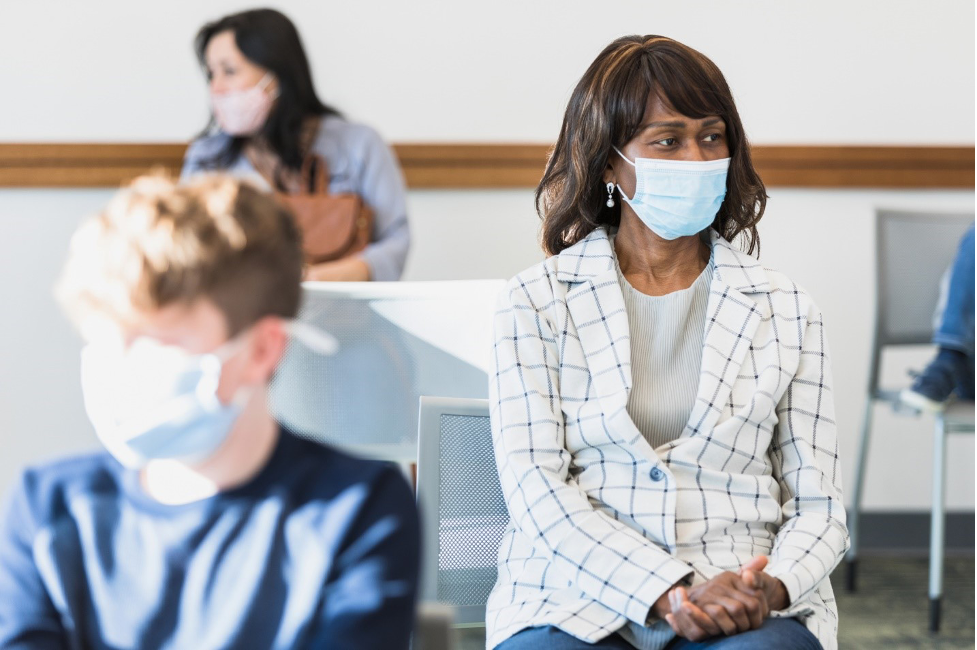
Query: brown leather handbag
333, 226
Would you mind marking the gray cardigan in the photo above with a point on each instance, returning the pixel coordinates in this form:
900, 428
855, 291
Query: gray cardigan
360, 162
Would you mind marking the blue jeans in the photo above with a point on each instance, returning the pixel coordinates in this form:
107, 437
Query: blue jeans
954, 321
779, 633
955, 326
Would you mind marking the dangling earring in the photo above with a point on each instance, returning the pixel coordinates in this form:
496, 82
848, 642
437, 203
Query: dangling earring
610, 195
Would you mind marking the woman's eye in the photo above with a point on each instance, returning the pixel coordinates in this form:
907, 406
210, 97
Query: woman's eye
668, 142
713, 137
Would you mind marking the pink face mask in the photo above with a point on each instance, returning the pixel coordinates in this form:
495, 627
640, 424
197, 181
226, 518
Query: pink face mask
243, 112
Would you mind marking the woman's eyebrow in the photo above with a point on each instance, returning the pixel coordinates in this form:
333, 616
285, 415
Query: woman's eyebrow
675, 124
678, 124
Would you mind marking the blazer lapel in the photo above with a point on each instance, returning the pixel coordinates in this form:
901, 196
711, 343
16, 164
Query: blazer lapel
732, 318
596, 306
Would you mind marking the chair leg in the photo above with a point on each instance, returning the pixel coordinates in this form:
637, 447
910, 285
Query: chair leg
851, 573
851, 557
937, 524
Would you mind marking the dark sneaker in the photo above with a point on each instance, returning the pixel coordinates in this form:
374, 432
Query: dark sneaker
933, 387
965, 379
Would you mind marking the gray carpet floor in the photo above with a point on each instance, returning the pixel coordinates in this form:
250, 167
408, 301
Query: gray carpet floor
890, 609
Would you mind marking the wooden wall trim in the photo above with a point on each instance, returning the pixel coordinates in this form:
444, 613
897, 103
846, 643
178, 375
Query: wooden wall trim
901, 167
472, 166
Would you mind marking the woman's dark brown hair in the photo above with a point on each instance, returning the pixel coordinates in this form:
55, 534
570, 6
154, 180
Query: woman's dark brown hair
267, 38
606, 109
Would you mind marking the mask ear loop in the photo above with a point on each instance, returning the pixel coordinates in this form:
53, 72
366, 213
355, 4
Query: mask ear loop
317, 340
263, 84
623, 156
623, 195
229, 348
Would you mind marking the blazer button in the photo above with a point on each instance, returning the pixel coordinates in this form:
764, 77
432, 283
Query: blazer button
657, 474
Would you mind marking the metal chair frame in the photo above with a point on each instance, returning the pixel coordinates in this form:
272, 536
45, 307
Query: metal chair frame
958, 418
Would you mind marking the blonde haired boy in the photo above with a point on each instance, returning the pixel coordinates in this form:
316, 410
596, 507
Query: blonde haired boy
206, 525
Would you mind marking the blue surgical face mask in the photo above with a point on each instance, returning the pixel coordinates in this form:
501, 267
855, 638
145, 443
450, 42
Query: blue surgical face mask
154, 401
677, 198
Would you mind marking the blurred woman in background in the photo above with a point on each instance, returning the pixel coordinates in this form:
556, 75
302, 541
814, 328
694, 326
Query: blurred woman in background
269, 125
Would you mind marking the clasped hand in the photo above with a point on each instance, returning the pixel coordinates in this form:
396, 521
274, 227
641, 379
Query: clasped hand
727, 604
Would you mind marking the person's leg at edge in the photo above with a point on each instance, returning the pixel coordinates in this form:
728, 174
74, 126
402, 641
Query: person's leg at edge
553, 638
953, 367
779, 633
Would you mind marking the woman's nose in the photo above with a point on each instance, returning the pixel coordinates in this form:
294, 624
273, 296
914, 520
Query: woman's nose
696, 153
217, 85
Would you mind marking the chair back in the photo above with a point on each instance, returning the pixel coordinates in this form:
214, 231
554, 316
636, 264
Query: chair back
397, 341
913, 252
463, 512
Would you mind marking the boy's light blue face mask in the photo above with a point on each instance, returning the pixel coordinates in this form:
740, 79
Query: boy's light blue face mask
677, 198
154, 401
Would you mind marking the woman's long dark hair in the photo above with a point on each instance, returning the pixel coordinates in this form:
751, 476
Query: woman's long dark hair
606, 109
268, 39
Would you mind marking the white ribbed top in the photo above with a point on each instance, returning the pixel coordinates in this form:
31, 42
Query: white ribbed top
666, 355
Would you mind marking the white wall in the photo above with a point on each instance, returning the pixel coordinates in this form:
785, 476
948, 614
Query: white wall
830, 72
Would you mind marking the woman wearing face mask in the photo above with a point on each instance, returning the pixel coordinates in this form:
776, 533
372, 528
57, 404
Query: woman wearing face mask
661, 404
270, 126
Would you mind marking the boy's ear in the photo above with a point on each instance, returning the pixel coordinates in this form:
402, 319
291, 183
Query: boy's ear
268, 340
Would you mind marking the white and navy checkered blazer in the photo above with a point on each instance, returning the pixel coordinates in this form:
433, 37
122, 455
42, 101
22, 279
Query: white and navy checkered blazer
601, 524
